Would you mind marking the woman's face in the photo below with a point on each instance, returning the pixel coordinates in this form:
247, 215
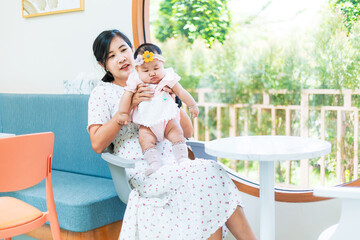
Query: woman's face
120, 61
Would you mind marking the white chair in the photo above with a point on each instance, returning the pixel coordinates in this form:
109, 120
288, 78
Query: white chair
117, 166
347, 227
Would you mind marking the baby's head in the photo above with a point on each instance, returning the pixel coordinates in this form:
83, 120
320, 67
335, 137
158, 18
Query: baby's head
149, 63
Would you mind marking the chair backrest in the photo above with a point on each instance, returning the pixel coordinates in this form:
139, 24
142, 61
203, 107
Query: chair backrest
25, 160
66, 115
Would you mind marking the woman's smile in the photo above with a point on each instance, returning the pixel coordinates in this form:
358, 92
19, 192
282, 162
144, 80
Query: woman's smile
125, 67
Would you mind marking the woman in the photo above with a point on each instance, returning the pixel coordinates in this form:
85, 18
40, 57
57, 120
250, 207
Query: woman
193, 200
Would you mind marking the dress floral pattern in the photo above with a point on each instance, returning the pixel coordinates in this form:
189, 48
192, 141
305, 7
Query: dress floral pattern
187, 201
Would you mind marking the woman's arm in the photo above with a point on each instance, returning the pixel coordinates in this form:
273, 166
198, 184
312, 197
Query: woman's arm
124, 107
101, 136
186, 125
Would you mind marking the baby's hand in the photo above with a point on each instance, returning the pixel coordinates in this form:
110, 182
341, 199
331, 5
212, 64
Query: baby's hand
194, 111
123, 119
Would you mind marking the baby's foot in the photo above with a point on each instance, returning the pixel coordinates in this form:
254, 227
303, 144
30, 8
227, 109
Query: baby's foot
152, 168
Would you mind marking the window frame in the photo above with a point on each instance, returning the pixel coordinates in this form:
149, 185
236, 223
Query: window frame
140, 22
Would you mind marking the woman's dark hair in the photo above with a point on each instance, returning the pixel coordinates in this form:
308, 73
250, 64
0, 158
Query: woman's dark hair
147, 47
101, 47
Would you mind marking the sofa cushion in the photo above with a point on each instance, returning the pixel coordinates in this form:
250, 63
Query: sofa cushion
82, 202
66, 117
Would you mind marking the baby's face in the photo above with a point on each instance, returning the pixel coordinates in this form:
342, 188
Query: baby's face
151, 72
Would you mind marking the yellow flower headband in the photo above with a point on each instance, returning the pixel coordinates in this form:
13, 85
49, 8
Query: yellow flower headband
147, 57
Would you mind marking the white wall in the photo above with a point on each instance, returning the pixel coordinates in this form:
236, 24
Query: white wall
37, 54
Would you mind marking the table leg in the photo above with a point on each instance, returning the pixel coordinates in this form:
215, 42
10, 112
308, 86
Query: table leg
267, 201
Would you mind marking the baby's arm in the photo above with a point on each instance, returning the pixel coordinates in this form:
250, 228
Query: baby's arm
124, 107
187, 99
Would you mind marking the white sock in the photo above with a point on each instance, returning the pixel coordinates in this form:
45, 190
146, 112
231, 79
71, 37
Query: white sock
153, 159
180, 151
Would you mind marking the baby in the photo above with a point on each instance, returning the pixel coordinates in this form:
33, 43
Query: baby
158, 118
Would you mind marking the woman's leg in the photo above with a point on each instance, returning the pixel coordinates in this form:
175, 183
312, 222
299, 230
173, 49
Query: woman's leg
239, 226
217, 235
147, 140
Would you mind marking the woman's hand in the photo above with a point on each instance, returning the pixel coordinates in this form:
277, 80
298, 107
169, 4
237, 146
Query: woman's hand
170, 91
143, 93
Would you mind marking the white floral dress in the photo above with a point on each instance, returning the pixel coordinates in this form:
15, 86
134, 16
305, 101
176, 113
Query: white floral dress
187, 201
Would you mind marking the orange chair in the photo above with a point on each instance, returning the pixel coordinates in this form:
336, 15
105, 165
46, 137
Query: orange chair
24, 162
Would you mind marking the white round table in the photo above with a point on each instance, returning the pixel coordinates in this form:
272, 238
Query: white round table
266, 150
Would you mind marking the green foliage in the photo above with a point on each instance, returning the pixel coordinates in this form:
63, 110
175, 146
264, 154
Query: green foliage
204, 19
250, 61
165, 27
350, 9
183, 59
336, 56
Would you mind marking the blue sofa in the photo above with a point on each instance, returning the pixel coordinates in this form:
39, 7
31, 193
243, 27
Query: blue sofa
84, 193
